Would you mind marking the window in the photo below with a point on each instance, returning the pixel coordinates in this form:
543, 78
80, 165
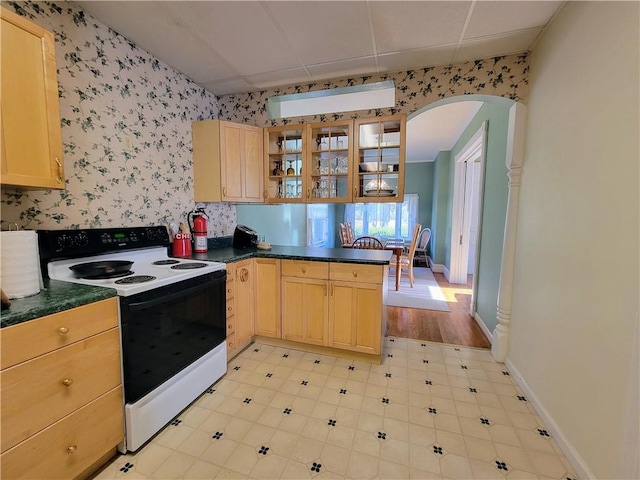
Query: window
317, 225
384, 220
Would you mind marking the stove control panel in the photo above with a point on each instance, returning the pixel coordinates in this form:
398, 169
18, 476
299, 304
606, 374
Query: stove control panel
75, 243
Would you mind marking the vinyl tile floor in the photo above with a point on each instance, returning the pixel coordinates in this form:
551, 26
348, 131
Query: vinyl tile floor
429, 411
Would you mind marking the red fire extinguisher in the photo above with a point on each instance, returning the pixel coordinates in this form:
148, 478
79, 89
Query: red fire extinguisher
198, 226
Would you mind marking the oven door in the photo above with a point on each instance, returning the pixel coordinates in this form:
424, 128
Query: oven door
168, 328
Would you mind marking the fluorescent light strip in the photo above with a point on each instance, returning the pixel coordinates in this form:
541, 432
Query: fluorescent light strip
345, 99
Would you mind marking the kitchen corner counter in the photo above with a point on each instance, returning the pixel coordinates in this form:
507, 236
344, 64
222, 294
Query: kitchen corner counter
56, 297
313, 254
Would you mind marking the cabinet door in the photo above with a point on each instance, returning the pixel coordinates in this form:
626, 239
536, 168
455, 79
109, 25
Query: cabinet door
253, 159
231, 167
355, 316
304, 310
329, 175
379, 159
267, 297
31, 152
284, 164
243, 302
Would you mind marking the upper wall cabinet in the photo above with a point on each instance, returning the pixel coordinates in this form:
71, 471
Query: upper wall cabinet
227, 162
31, 152
380, 158
285, 162
336, 162
330, 174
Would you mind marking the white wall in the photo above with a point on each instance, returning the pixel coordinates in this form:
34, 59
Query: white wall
575, 305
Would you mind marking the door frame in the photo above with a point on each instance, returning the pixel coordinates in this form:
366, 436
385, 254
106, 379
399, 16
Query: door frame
460, 221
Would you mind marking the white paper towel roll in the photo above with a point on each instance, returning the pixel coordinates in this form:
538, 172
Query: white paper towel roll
20, 274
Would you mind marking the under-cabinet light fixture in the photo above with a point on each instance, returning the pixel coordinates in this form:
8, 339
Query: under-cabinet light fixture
333, 100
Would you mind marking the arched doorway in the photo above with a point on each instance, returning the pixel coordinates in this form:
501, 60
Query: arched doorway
494, 270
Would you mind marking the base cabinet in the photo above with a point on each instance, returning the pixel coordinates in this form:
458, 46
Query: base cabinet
333, 304
304, 310
61, 390
267, 297
242, 280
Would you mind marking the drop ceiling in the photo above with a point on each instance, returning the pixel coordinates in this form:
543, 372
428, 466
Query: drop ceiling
241, 46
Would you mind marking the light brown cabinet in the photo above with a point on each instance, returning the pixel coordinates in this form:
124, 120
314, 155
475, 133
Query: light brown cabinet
332, 304
267, 297
227, 162
343, 161
379, 159
242, 281
31, 150
61, 393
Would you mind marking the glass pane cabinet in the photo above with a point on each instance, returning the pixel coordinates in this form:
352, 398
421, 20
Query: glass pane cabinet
284, 168
379, 159
330, 176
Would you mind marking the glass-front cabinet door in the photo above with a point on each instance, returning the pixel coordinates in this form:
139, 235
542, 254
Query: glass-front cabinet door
284, 167
379, 159
330, 177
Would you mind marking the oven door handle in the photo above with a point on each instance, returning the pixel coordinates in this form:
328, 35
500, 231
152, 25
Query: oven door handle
172, 296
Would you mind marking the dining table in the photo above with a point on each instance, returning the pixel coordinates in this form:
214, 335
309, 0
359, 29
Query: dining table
397, 245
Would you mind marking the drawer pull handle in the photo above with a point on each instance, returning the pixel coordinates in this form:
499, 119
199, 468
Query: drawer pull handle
229, 290
230, 344
67, 382
63, 330
304, 269
60, 172
230, 327
355, 274
71, 449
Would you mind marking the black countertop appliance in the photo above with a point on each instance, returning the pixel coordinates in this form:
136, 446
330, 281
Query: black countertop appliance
244, 237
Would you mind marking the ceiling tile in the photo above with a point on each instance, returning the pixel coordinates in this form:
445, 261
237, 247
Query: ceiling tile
241, 32
279, 78
420, 57
223, 87
498, 45
490, 18
322, 32
176, 46
346, 68
408, 25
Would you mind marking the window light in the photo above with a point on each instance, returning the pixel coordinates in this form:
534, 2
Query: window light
344, 99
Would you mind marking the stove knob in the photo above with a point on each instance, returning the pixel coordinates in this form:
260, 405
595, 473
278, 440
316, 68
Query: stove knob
82, 240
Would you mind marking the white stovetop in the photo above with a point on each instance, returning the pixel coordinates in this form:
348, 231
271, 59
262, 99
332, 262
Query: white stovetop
142, 265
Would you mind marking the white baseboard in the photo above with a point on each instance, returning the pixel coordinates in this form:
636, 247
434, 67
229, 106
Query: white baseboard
446, 273
436, 267
483, 327
574, 458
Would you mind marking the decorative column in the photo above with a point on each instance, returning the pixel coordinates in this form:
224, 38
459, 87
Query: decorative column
515, 154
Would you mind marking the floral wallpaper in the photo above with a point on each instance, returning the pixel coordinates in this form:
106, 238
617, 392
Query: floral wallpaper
504, 76
126, 124
126, 131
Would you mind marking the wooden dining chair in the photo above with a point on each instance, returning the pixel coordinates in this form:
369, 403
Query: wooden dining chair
421, 247
346, 235
406, 260
367, 242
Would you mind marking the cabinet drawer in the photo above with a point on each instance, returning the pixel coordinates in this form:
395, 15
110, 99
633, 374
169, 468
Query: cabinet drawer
299, 268
19, 343
356, 272
93, 430
41, 391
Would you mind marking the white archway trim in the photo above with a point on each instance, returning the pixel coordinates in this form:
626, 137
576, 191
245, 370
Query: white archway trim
515, 155
461, 212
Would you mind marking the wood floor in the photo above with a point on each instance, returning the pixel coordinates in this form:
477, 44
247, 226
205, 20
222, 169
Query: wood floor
456, 327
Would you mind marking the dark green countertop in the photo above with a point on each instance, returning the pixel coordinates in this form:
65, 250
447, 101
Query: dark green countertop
312, 254
56, 297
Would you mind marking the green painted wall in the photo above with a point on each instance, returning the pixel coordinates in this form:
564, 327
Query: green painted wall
493, 209
419, 179
440, 201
